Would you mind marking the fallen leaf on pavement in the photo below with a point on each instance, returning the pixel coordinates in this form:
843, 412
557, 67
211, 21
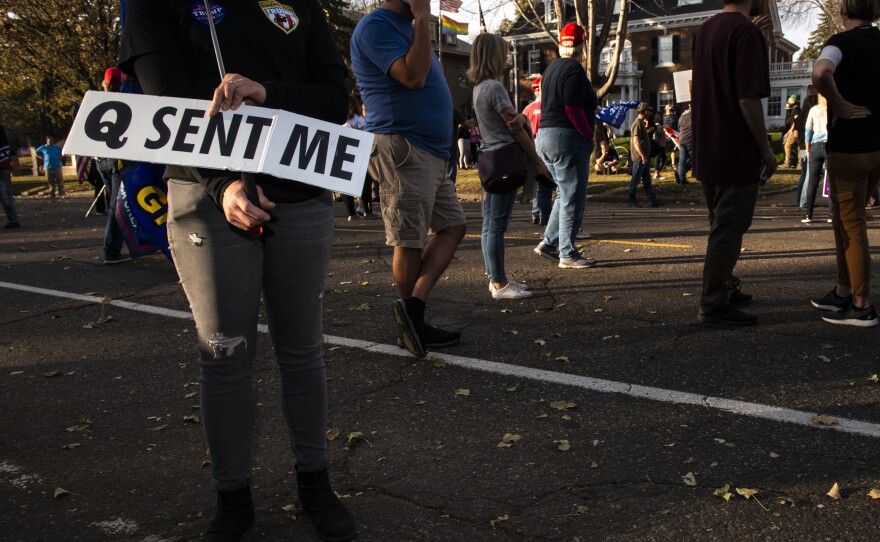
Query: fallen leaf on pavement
581, 509
72, 445
688, 461
289, 508
689, 479
157, 428
512, 332
723, 492
834, 493
498, 520
361, 307
594, 465
332, 433
354, 437
562, 405
774, 455
60, 492
542, 342
511, 389
438, 361
51, 374
874, 493
607, 297
563, 359
826, 359
746, 492
508, 439
823, 420
874, 378
563, 445
463, 392
191, 419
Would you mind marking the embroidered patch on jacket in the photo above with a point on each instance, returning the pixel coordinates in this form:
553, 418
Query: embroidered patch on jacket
281, 15
200, 14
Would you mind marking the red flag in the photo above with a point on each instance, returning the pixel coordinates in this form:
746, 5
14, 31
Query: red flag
82, 168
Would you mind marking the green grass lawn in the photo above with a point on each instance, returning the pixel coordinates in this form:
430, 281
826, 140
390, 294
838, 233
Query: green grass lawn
20, 183
609, 185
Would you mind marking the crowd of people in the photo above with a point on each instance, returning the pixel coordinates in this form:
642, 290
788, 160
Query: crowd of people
420, 140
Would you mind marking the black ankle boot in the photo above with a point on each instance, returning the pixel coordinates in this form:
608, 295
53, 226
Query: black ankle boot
333, 522
235, 515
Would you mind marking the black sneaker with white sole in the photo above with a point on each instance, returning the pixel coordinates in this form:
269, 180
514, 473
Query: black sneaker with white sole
115, 259
852, 316
408, 328
727, 316
832, 302
546, 251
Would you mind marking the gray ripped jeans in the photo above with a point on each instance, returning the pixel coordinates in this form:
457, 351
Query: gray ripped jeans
223, 270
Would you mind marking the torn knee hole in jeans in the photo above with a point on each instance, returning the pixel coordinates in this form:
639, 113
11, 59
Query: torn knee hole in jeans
195, 239
224, 346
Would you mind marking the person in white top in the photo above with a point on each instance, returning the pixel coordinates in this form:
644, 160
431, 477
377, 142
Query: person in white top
815, 136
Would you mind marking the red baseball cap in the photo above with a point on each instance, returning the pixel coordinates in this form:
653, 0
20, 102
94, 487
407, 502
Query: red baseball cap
536, 83
572, 35
113, 75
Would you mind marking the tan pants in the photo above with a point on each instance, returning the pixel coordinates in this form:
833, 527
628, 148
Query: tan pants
790, 145
853, 178
56, 180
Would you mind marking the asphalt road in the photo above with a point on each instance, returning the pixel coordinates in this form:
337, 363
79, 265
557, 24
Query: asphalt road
659, 412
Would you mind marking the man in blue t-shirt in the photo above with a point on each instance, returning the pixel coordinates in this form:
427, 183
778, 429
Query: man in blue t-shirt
409, 109
50, 154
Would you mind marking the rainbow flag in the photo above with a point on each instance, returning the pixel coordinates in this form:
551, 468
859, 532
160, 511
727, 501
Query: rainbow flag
450, 27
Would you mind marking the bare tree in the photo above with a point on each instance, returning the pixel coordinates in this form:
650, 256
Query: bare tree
799, 11
597, 18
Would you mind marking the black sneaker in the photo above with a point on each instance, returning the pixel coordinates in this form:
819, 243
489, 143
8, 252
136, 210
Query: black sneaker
634, 204
433, 337
737, 298
832, 302
12, 225
535, 220
118, 258
727, 316
408, 328
546, 251
656, 203
852, 316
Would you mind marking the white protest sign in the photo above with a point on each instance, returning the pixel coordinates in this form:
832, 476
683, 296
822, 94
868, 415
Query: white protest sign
175, 131
682, 81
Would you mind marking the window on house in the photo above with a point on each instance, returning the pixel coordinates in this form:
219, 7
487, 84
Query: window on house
689, 2
534, 62
549, 11
774, 106
616, 9
665, 97
664, 51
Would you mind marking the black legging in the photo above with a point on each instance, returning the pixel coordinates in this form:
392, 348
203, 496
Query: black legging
366, 198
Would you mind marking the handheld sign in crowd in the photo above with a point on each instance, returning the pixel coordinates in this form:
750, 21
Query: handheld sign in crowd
175, 131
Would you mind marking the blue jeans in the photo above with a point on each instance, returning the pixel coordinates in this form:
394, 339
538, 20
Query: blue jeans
6, 195
816, 168
109, 171
542, 203
567, 156
641, 172
685, 155
497, 209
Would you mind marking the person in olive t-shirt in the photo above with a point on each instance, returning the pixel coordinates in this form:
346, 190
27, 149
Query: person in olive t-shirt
846, 74
731, 76
639, 156
287, 61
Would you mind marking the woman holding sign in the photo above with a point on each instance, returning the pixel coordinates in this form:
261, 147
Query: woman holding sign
277, 57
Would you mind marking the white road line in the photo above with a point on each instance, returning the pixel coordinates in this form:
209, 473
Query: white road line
741, 408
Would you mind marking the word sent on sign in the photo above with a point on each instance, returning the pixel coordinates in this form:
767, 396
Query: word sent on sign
176, 131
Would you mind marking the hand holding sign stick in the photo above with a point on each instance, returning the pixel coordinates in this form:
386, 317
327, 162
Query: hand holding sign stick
241, 214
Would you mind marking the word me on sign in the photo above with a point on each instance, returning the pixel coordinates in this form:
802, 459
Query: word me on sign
176, 131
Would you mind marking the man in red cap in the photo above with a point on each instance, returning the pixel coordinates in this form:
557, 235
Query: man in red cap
565, 143
541, 203
112, 79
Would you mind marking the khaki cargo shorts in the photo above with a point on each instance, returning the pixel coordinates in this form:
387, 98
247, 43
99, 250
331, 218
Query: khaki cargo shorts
416, 194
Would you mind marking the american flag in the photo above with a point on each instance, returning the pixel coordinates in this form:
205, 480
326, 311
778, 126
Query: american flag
450, 6
82, 168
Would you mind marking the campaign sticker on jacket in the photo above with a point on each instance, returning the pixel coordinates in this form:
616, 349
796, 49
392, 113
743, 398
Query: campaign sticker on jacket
200, 14
281, 15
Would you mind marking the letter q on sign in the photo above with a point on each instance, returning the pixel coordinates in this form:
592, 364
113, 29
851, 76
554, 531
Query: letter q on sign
110, 132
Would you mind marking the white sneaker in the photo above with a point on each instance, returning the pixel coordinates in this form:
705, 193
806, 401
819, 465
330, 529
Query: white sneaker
508, 292
581, 234
519, 285
807, 220
576, 263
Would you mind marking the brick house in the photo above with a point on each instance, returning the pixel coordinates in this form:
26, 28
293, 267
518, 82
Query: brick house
658, 44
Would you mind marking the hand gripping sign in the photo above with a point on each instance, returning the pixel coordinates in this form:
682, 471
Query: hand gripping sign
175, 131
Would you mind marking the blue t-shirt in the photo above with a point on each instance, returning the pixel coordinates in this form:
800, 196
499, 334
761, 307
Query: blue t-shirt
424, 117
51, 156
